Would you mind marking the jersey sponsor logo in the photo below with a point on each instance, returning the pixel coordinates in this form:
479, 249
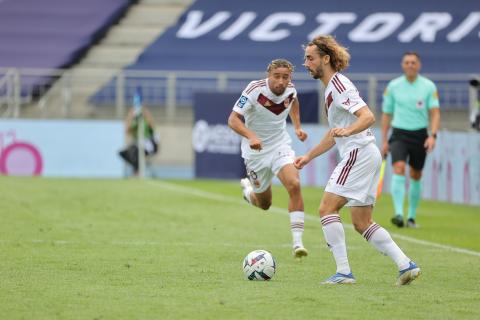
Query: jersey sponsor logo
273, 107
241, 102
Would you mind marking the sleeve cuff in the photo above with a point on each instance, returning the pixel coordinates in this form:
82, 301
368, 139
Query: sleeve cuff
356, 108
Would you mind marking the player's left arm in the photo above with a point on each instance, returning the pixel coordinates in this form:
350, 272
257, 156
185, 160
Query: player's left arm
365, 119
323, 146
434, 126
434, 115
295, 117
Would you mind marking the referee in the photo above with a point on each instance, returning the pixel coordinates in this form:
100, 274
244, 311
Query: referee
410, 106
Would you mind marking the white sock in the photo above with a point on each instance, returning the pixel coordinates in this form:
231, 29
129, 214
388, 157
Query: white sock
335, 237
246, 194
297, 221
381, 239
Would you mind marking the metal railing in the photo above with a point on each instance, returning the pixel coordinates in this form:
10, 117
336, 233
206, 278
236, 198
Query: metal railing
57, 91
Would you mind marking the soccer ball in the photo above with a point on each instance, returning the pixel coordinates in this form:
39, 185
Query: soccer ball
259, 265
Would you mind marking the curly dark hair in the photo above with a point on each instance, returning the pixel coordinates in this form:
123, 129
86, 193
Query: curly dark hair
327, 45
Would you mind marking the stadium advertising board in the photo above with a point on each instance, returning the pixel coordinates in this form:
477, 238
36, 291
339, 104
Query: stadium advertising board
217, 147
228, 35
451, 173
55, 148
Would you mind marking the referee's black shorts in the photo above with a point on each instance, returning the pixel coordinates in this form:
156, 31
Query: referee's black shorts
409, 145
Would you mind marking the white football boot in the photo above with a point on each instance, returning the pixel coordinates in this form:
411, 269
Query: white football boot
246, 189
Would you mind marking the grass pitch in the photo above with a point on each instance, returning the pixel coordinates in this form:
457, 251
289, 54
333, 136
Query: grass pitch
128, 249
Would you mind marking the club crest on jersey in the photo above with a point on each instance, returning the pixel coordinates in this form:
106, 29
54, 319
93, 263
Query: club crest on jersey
254, 178
241, 102
420, 104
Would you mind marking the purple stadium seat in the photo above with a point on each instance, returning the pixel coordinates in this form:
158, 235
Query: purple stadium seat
52, 33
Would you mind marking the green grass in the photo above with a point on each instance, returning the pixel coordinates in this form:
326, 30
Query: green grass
109, 249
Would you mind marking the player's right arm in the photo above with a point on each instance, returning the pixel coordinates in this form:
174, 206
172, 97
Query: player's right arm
323, 146
235, 121
295, 117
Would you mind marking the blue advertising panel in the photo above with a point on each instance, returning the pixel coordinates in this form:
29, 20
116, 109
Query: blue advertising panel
245, 35
217, 147
451, 172
59, 148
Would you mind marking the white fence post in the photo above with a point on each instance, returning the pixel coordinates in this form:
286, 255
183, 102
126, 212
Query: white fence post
67, 93
372, 94
16, 93
120, 95
171, 95
222, 82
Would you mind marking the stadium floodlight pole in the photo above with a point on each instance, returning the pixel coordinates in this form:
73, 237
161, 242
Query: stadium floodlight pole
137, 106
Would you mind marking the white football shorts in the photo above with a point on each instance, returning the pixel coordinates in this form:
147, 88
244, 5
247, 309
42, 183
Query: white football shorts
356, 176
261, 170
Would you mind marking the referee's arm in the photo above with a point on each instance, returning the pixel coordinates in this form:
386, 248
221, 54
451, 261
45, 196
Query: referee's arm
388, 107
434, 126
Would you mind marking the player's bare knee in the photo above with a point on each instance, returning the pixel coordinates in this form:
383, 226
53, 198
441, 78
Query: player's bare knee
293, 187
328, 207
399, 168
325, 210
416, 175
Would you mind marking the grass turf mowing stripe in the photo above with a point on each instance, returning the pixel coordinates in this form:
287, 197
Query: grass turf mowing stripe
219, 197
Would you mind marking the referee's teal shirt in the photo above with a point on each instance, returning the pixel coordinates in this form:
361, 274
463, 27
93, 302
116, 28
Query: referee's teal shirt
409, 103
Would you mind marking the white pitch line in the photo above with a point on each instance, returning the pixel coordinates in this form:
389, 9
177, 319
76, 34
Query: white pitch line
141, 243
215, 196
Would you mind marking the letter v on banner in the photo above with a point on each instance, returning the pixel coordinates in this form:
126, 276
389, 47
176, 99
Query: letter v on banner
194, 27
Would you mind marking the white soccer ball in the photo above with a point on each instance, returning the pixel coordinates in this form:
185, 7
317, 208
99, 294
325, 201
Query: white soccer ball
259, 265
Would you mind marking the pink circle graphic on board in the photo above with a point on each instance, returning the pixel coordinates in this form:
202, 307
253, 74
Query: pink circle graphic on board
21, 159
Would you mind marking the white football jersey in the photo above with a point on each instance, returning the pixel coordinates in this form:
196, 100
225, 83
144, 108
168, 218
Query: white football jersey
342, 100
265, 114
